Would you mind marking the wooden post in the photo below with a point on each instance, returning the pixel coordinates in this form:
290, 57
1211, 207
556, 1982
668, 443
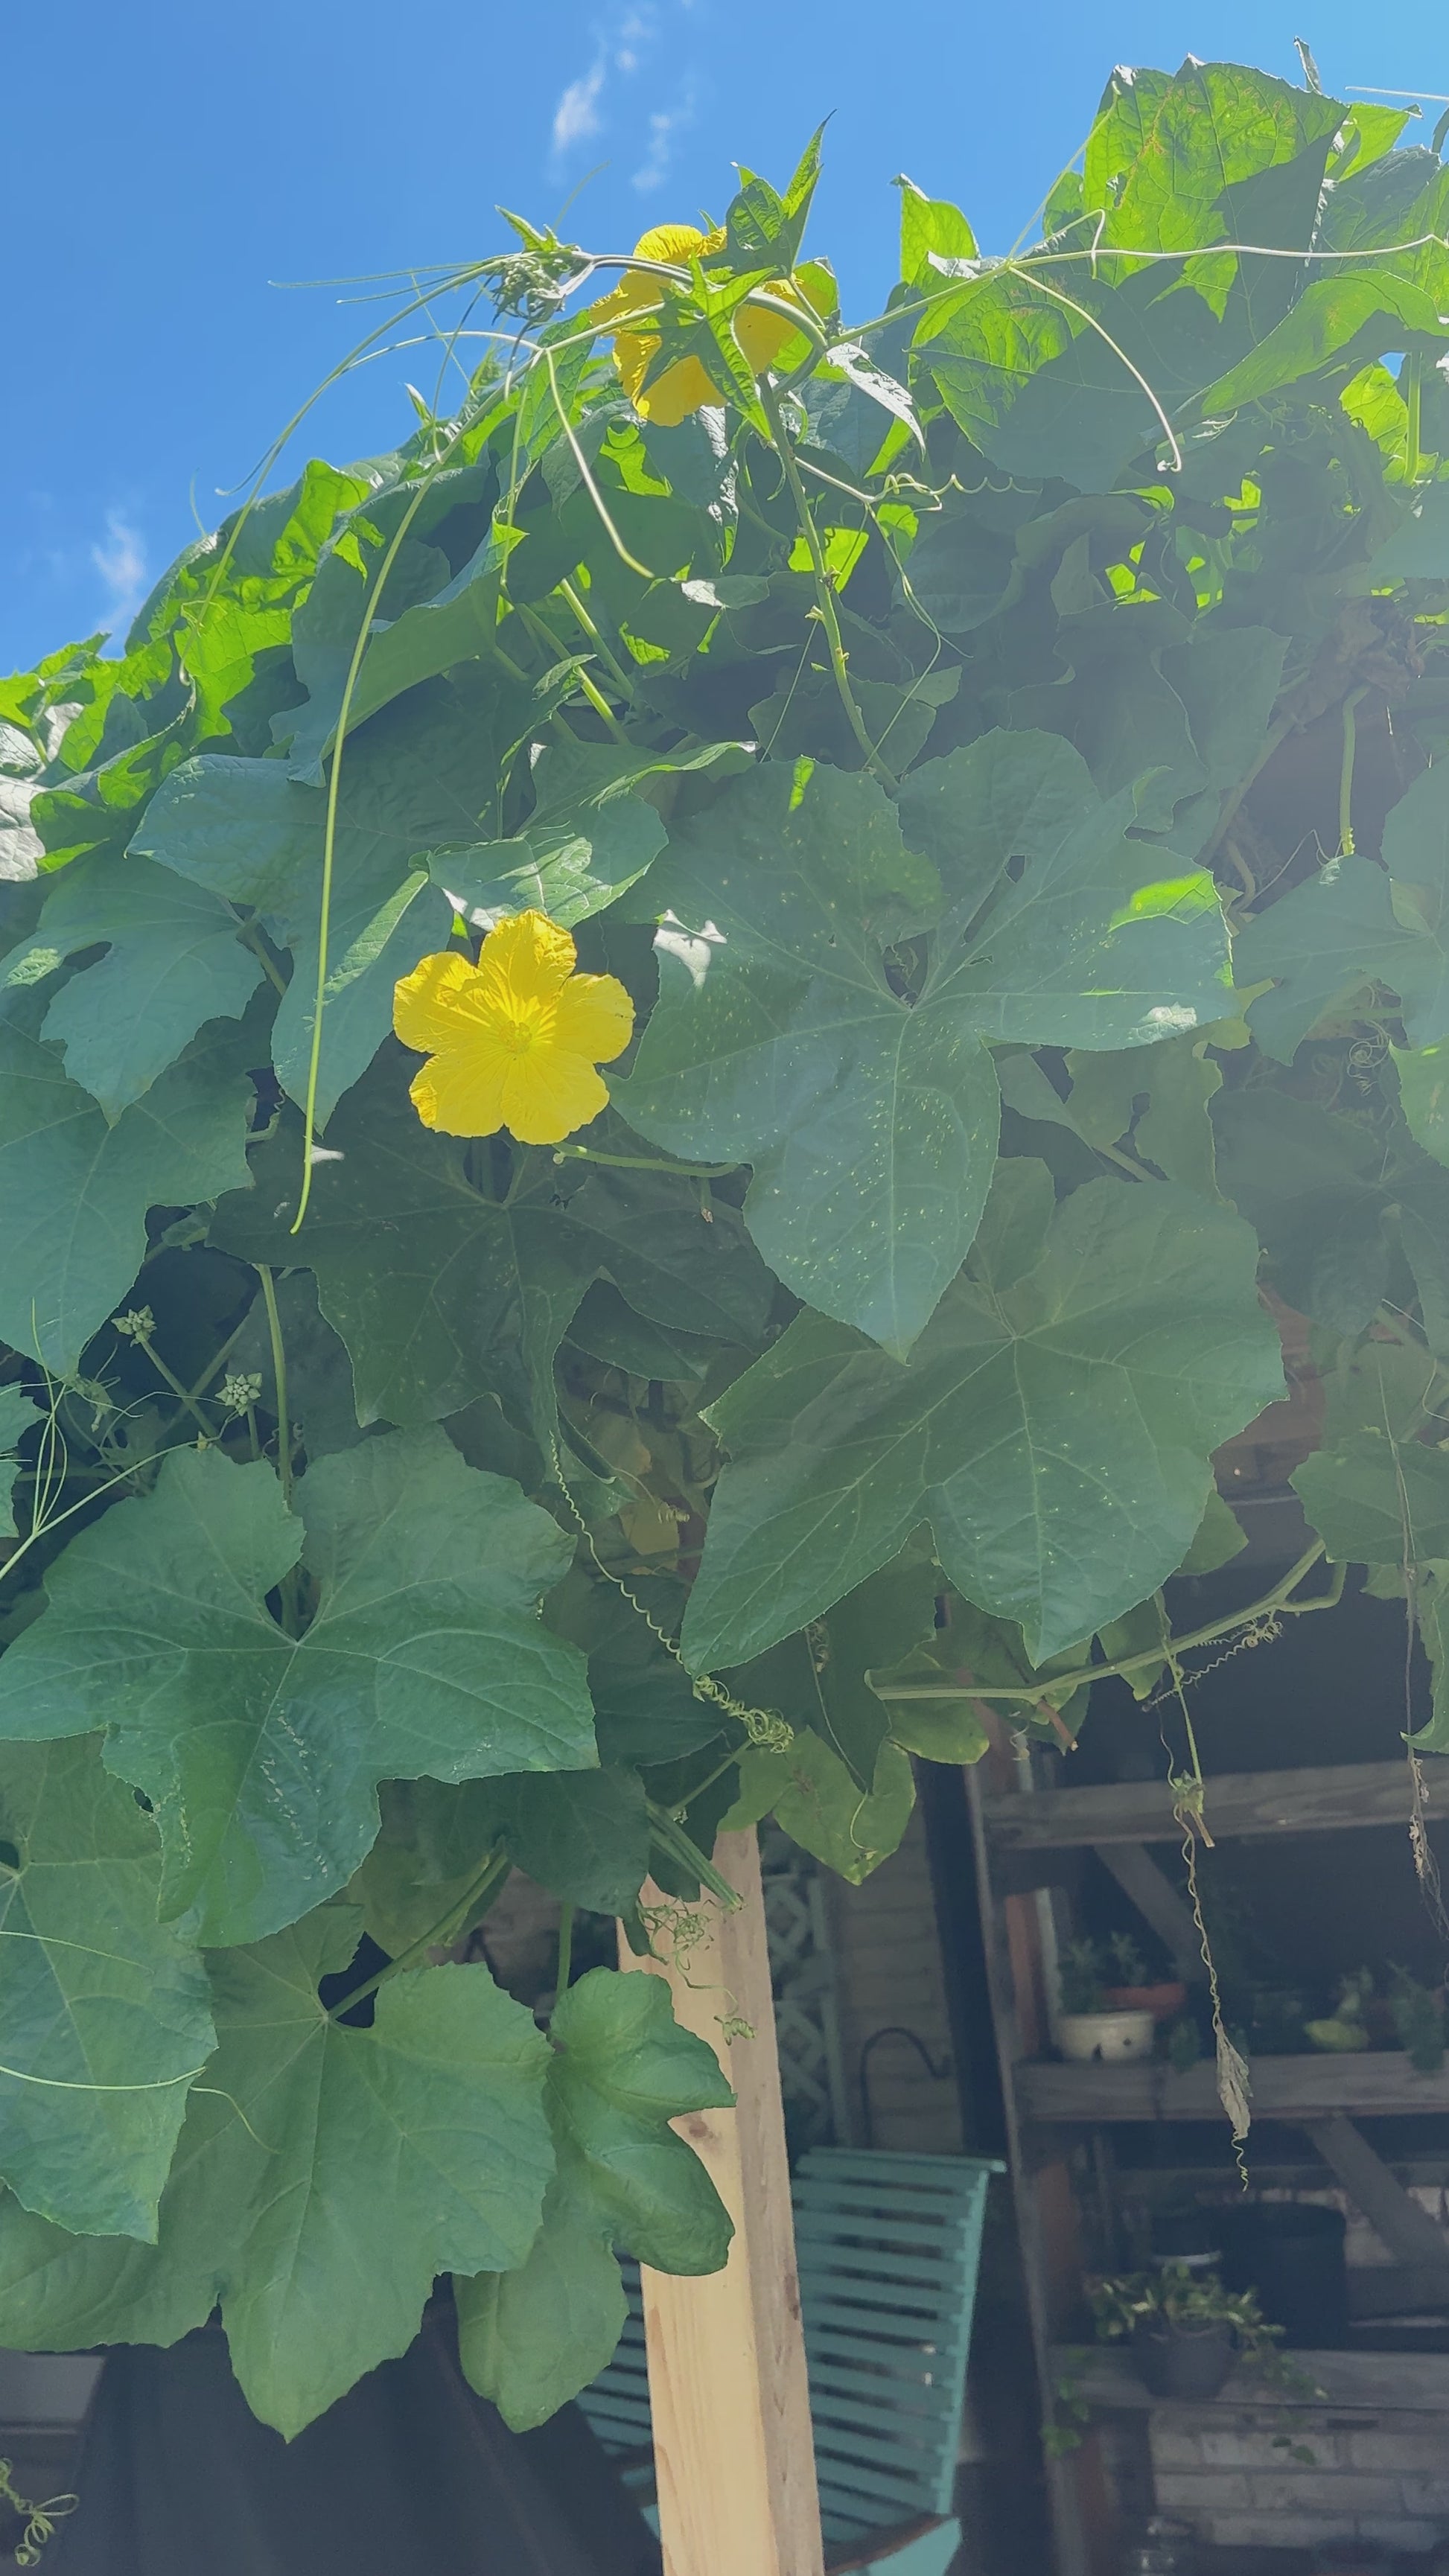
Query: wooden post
734, 2454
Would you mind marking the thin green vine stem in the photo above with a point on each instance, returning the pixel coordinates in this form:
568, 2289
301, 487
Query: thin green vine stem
494, 1870
644, 1163
1278, 1599
279, 1373
53, 1520
1126, 1162
672, 1838
249, 934
590, 687
565, 1953
607, 656
334, 786
162, 1370
824, 589
1414, 409
218, 1361
1345, 772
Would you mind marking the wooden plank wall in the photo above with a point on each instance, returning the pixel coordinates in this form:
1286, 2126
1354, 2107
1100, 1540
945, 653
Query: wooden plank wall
888, 1970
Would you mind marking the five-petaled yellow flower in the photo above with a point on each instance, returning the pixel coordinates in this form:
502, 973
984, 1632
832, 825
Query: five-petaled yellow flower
687, 385
513, 1041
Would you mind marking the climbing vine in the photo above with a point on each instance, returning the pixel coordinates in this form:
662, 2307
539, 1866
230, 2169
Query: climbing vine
669, 1064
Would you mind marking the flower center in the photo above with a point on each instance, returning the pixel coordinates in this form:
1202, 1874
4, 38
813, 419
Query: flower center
523, 1027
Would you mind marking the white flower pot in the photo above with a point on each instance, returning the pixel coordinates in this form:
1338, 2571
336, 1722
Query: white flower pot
1106, 2035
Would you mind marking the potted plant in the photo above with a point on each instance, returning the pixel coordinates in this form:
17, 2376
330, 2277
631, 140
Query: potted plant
1088, 2024
1417, 2015
1184, 2330
1135, 1990
1345, 2029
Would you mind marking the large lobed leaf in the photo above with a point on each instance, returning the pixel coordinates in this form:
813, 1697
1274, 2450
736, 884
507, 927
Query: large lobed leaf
797, 1028
474, 1293
259, 1751
1053, 1425
75, 1189
1356, 924
104, 2012
323, 2178
622, 2069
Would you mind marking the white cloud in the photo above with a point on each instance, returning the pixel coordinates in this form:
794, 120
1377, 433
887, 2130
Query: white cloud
665, 127
576, 116
121, 563
599, 97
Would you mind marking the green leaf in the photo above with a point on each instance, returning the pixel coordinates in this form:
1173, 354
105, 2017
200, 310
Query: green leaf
1158, 1098
786, 1034
645, 1709
587, 840
1220, 1538
584, 1835
173, 962
930, 224
320, 1409
104, 2013
458, 624
1363, 312
1374, 1490
1176, 712
423, 2141
475, 1295
261, 1752
1169, 152
1068, 367
431, 1850
75, 1190
622, 2070
1055, 1429
419, 776
1431, 1612
1324, 1194
976, 1653
1424, 1096
819, 1679
1418, 550
19, 1413
1356, 924
818, 1802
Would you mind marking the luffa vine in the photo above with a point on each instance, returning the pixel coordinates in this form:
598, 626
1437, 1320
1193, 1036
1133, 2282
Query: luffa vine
979, 769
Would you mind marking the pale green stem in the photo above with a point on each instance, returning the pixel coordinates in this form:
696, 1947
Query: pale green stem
824, 589
279, 1373
1277, 1599
440, 1934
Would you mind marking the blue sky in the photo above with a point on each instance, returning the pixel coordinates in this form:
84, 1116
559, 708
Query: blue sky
166, 166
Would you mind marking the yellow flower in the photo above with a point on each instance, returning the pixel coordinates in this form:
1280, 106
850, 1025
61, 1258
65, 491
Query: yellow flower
513, 1041
686, 386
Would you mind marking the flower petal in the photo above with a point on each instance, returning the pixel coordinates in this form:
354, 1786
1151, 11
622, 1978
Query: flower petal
427, 1004
636, 292
683, 388
594, 1018
528, 958
461, 1093
675, 242
547, 1094
762, 335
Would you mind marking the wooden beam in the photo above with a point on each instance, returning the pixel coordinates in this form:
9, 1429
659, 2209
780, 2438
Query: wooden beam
1016, 1985
1375, 2084
1417, 2382
1405, 2226
733, 2447
1320, 1800
1157, 1901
